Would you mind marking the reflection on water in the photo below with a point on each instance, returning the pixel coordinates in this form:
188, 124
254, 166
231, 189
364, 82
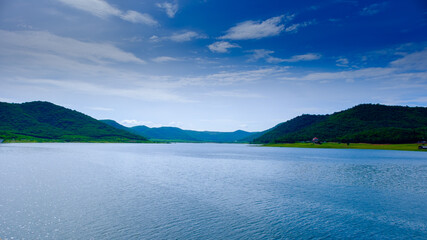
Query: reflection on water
209, 191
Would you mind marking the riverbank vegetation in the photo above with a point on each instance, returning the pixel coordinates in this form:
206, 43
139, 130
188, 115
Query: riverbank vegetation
402, 147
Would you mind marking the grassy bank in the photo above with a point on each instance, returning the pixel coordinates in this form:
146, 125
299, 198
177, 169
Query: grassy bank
75, 140
402, 147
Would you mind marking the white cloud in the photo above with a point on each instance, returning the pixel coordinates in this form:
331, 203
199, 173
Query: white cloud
164, 59
234, 77
102, 9
373, 9
132, 92
133, 123
170, 8
266, 54
415, 61
295, 27
33, 43
255, 29
259, 54
303, 57
349, 76
222, 46
136, 17
186, 36
154, 38
342, 62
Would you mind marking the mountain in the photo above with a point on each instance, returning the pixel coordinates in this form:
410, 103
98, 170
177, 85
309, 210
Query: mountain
178, 134
370, 123
208, 136
163, 133
44, 121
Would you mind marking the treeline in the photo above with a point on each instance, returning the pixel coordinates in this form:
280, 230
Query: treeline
369, 123
44, 121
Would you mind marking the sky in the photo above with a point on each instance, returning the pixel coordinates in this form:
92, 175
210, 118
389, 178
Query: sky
217, 65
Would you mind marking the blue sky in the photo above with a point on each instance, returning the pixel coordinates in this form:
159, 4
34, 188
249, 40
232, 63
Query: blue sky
213, 64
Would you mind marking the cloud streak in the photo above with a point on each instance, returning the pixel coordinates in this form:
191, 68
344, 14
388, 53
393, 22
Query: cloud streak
373, 9
186, 36
266, 54
163, 59
41, 43
222, 46
102, 9
295, 27
256, 29
137, 93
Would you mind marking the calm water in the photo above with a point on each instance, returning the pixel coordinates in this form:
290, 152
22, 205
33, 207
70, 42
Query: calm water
209, 191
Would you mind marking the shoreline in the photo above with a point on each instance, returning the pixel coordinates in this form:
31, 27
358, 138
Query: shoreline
333, 145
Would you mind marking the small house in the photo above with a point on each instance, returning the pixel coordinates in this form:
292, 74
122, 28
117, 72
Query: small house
315, 140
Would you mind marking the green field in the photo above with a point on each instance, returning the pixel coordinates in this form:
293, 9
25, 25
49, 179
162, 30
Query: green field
402, 147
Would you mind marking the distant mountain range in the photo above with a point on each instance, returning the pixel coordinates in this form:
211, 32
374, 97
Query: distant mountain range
178, 134
369, 123
44, 121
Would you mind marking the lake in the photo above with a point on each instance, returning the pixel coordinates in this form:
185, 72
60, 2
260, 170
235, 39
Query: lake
209, 191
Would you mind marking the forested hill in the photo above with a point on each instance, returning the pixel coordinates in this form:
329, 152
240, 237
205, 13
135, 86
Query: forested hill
178, 134
44, 121
370, 123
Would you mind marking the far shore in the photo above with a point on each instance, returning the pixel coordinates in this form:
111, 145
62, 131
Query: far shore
401, 147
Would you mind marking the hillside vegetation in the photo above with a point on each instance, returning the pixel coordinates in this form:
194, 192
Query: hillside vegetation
368, 123
178, 134
44, 121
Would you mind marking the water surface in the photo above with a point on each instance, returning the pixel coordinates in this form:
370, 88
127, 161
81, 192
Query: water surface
209, 191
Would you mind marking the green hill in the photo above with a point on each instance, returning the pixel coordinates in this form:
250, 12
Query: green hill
178, 134
288, 127
44, 121
370, 123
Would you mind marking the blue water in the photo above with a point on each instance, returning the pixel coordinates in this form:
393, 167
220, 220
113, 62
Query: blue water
209, 191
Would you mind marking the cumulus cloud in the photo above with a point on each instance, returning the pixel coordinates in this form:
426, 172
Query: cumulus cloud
266, 54
164, 59
222, 46
256, 29
170, 8
102, 9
